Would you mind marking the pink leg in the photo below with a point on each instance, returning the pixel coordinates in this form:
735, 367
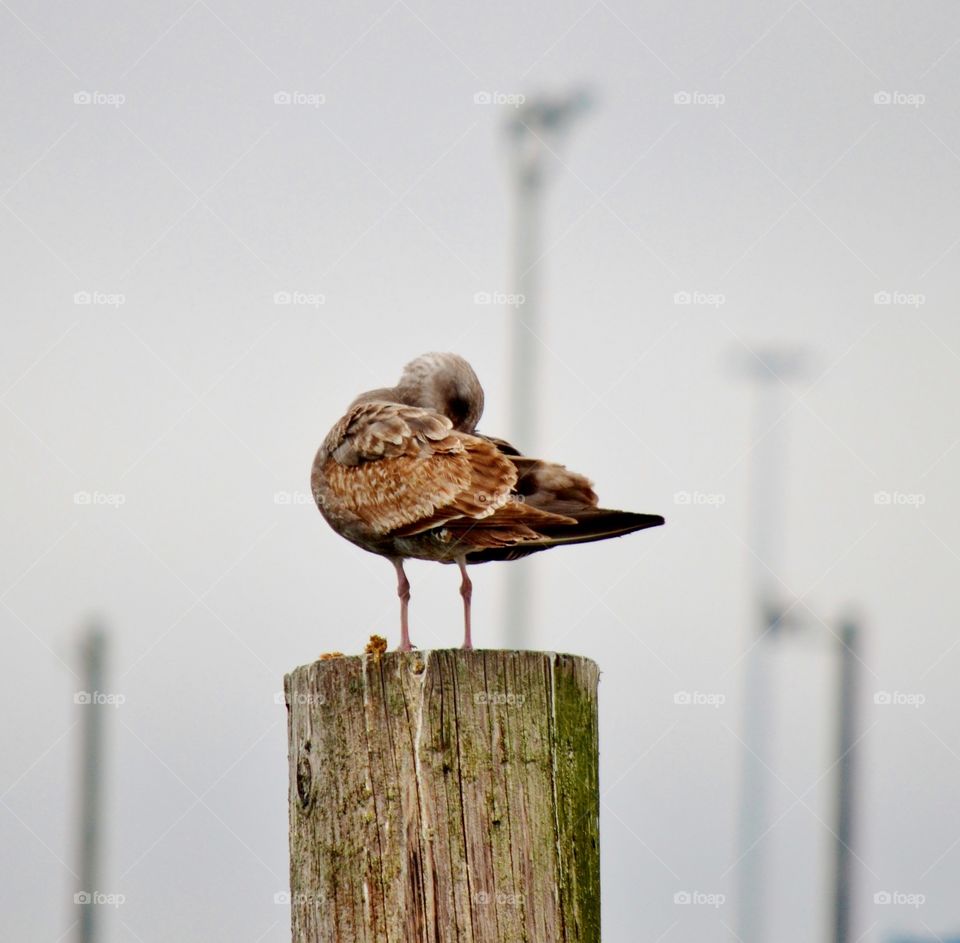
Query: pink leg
403, 591
466, 590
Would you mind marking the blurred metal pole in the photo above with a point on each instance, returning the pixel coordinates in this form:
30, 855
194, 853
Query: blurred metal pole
766, 540
848, 696
91, 771
757, 721
524, 353
534, 133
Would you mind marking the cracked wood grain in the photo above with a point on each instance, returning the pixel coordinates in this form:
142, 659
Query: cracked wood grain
444, 797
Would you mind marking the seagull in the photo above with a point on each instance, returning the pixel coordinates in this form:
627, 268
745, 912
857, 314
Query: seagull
405, 474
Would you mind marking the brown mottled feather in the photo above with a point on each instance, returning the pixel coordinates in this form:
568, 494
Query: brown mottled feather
515, 522
402, 470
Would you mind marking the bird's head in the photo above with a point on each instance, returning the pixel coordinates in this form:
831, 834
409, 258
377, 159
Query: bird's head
445, 383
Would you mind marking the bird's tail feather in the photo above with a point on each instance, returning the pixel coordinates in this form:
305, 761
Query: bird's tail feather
592, 523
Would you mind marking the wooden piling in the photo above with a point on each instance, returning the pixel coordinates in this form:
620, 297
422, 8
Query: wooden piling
444, 797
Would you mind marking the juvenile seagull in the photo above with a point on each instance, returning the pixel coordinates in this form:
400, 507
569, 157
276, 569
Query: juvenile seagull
405, 474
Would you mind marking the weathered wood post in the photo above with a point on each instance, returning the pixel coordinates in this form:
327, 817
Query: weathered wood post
445, 797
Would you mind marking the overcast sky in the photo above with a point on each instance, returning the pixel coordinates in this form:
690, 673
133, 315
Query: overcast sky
785, 164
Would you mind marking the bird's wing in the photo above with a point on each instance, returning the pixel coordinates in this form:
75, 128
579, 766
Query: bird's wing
548, 486
403, 469
568, 498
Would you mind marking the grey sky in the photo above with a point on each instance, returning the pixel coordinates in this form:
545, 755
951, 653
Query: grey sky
798, 199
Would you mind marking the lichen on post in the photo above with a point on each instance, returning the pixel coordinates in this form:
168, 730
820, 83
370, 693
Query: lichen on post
444, 796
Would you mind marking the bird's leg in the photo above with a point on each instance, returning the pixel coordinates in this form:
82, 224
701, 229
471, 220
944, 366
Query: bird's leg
403, 591
466, 590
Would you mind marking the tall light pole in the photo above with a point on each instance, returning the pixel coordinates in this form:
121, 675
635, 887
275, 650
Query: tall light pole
770, 369
534, 133
90, 825
847, 697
